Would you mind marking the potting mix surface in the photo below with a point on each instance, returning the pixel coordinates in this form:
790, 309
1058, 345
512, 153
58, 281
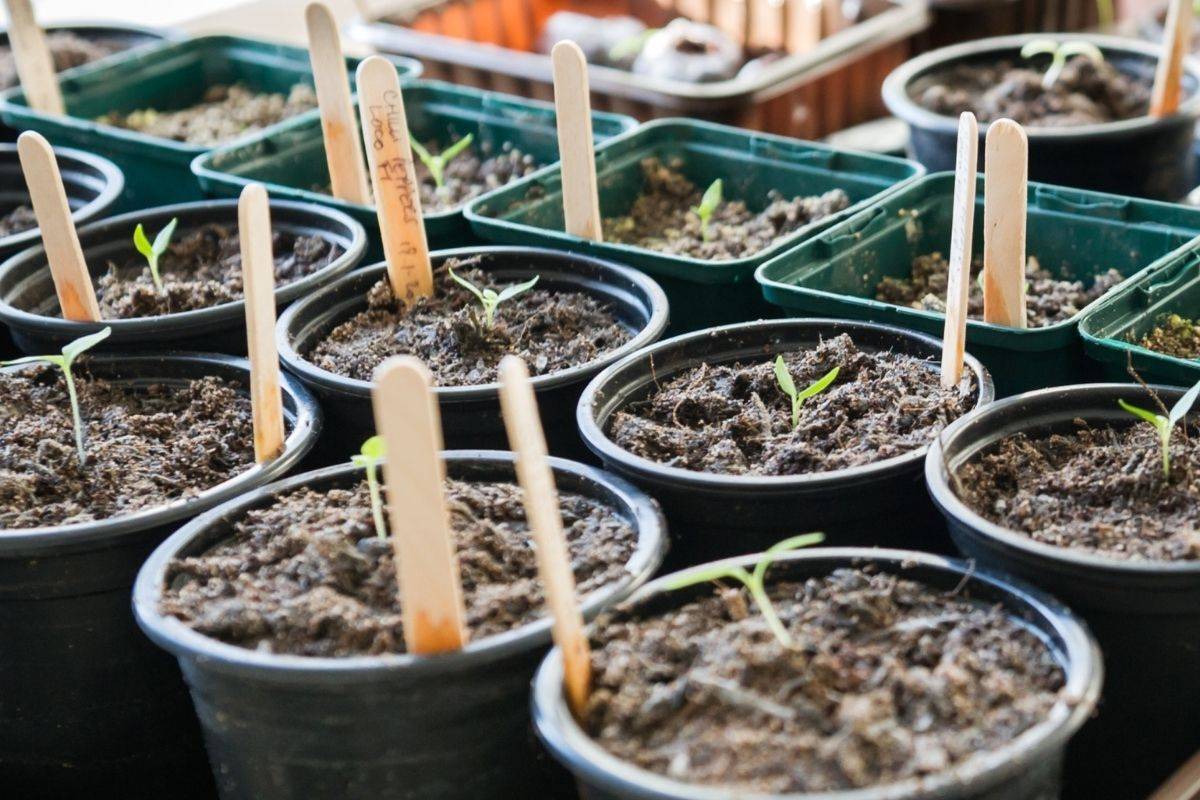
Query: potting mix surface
1174, 335
1048, 300
551, 330
663, 218
887, 679
308, 574
734, 419
145, 447
202, 268
17, 220
469, 174
66, 50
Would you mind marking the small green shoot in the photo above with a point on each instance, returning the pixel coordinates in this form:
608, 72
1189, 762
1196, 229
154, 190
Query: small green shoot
70, 352
630, 46
754, 582
788, 386
1060, 53
490, 298
708, 206
153, 252
437, 164
369, 457
1165, 425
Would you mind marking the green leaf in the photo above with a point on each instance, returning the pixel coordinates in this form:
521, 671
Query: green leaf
466, 284
1081, 48
632, 45
699, 575
420, 150
57, 361
1183, 405
141, 243
819, 386
1157, 420
784, 378
453, 150
510, 292
1039, 47
711, 198
374, 448
163, 240
789, 544
73, 350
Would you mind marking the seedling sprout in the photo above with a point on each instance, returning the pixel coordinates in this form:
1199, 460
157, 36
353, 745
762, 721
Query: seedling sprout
1060, 53
708, 206
630, 46
1165, 425
70, 352
437, 164
754, 582
154, 251
490, 298
369, 457
788, 386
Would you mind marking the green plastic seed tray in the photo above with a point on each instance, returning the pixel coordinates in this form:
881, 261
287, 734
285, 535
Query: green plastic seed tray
290, 159
702, 293
1112, 327
173, 75
1073, 233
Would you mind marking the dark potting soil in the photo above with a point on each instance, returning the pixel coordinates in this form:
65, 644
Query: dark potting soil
308, 575
202, 268
1097, 489
146, 447
734, 419
66, 50
1175, 336
551, 330
17, 220
662, 218
1084, 94
887, 680
225, 113
471, 173
1048, 299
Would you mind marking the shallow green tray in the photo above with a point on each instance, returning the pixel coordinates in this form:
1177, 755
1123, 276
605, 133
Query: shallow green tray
1070, 231
172, 75
290, 159
702, 293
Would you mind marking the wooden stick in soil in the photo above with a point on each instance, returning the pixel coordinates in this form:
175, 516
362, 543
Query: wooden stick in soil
394, 179
1005, 181
258, 280
35, 65
958, 281
1184, 784
72, 282
343, 145
573, 110
406, 415
1177, 38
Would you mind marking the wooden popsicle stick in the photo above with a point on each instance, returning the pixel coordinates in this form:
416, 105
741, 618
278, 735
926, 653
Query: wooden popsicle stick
1005, 168
958, 284
35, 65
1184, 783
1177, 38
576, 151
343, 145
258, 281
397, 194
526, 438
72, 282
406, 415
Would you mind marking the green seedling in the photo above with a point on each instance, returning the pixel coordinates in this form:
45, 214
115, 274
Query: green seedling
369, 457
1060, 53
708, 206
754, 582
630, 46
788, 386
490, 298
437, 164
1165, 425
70, 352
153, 252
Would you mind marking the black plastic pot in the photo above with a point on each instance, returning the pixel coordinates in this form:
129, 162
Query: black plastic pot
447, 727
717, 516
1145, 614
88, 707
1145, 157
471, 414
30, 308
1027, 768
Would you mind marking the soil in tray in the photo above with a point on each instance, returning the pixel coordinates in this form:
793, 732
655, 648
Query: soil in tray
1048, 300
887, 680
662, 218
17, 220
1174, 336
1084, 94
202, 268
734, 419
308, 575
225, 113
145, 447
1096, 489
551, 330
66, 50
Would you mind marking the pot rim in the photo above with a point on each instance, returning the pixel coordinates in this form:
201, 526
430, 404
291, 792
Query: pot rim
312, 307
172, 635
899, 102
654, 472
938, 483
1080, 660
